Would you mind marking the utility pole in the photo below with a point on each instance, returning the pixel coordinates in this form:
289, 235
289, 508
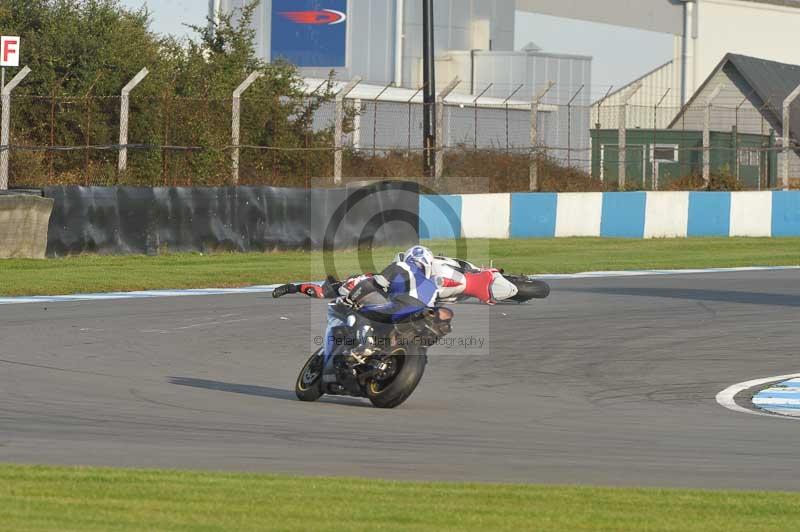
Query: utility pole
429, 93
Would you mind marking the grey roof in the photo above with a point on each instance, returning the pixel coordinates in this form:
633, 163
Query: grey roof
771, 82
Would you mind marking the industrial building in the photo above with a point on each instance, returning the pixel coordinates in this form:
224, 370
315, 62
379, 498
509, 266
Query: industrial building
742, 104
381, 42
753, 91
705, 32
391, 117
656, 157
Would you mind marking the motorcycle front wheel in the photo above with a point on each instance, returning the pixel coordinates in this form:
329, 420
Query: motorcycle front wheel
409, 366
308, 387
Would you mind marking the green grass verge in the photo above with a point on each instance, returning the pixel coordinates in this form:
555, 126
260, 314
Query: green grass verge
105, 274
48, 498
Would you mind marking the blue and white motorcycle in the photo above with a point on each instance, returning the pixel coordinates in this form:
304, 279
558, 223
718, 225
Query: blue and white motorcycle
380, 353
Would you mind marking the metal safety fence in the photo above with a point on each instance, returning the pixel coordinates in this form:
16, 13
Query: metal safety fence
519, 141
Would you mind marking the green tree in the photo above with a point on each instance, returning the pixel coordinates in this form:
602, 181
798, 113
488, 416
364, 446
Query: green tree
82, 52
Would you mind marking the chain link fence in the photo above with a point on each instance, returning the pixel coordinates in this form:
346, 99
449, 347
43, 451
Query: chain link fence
182, 141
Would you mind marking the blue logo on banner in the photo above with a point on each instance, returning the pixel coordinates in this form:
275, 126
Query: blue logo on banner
310, 33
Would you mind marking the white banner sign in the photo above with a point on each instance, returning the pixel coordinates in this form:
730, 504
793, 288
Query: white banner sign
9, 51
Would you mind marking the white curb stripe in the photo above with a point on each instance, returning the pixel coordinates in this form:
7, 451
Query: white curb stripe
148, 294
726, 397
641, 273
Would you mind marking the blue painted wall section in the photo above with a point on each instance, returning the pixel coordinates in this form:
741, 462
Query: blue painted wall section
785, 213
623, 215
440, 217
533, 215
709, 214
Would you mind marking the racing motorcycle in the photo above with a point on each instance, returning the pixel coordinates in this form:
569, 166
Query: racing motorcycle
379, 354
463, 280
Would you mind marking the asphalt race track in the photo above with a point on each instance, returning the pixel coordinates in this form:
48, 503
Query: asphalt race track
610, 381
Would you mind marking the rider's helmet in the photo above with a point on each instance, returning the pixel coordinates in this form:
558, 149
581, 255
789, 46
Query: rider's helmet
420, 257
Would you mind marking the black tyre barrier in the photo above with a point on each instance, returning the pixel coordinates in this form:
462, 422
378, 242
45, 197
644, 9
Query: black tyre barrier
129, 220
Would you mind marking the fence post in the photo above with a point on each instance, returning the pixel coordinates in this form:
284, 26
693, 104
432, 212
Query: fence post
533, 171
569, 127
623, 135
5, 134
736, 136
236, 119
707, 137
475, 105
339, 128
375, 117
787, 114
123, 118
655, 142
410, 107
505, 104
440, 98
600, 106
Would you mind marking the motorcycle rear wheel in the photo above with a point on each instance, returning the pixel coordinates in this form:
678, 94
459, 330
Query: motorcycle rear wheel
393, 392
308, 387
529, 289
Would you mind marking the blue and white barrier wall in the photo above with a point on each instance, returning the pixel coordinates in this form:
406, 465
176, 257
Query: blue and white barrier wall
611, 214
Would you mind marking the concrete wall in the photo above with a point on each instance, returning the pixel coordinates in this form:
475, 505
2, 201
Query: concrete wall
612, 215
23, 226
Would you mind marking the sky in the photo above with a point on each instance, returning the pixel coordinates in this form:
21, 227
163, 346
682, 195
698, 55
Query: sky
620, 54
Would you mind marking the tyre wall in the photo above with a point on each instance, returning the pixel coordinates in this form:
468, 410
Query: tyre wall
127, 220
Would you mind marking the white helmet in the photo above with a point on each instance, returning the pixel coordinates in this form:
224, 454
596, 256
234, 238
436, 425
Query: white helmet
421, 257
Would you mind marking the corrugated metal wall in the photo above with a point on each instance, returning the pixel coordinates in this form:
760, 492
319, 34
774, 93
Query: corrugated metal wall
398, 126
567, 127
642, 112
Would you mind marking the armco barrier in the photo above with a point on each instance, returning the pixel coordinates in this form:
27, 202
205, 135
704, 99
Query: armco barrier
23, 226
616, 215
119, 220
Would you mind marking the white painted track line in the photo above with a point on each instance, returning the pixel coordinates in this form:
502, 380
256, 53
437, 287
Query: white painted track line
148, 294
640, 273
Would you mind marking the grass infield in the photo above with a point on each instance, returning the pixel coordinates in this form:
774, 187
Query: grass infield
51, 498
91, 273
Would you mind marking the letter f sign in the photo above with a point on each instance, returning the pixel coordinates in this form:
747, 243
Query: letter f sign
9, 51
